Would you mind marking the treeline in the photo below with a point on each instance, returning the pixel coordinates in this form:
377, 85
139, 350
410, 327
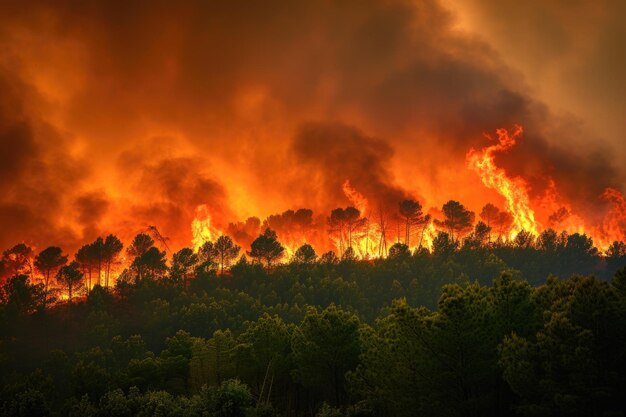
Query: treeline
477, 253
443, 334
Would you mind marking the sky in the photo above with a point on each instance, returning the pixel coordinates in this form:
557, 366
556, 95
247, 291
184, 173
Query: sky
116, 115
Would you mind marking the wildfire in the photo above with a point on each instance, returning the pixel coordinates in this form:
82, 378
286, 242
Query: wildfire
614, 224
562, 216
369, 233
514, 190
201, 228
356, 198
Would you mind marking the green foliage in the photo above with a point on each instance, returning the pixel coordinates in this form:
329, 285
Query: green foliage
455, 332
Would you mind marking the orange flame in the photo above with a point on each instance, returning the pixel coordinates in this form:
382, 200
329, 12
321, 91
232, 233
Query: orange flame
201, 228
514, 190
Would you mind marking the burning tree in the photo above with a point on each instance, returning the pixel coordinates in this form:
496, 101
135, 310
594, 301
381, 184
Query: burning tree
347, 225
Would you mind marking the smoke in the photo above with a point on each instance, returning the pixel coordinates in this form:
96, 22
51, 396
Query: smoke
119, 115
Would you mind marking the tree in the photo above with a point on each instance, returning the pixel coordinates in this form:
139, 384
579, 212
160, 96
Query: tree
183, 261
70, 276
110, 251
354, 223
85, 258
579, 254
150, 264
336, 226
141, 244
305, 254
20, 297
616, 256
503, 222
207, 254
489, 215
266, 247
326, 345
17, 260
264, 352
329, 258
48, 261
411, 212
96, 253
524, 240
444, 246
482, 232
457, 220
399, 251
226, 251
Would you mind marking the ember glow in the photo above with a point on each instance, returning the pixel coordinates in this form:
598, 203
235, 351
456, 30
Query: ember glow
206, 120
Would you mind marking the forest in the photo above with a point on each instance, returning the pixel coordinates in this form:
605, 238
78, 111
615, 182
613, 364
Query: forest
470, 323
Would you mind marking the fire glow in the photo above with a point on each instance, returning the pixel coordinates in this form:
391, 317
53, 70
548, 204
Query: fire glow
373, 230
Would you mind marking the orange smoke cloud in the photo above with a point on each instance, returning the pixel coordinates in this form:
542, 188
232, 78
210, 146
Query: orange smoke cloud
115, 116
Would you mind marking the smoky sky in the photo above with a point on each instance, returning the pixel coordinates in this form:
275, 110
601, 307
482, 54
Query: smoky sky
116, 115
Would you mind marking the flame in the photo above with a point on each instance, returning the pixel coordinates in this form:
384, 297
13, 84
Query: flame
613, 226
562, 217
201, 228
362, 242
514, 190
356, 198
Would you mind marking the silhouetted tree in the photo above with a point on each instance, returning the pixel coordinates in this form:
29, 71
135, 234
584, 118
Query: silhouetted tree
207, 256
329, 258
399, 251
444, 246
615, 256
524, 239
151, 263
266, 247
96, 251
85, 257
337, 225
549, 241
138, 248
19, 296
140, 245
503, 223
111, 249
48, 261
457, 220
411, 213
17, 260
184, 261
226, 251
70, 276
305, 254
489, 214
354, 223
348, 255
